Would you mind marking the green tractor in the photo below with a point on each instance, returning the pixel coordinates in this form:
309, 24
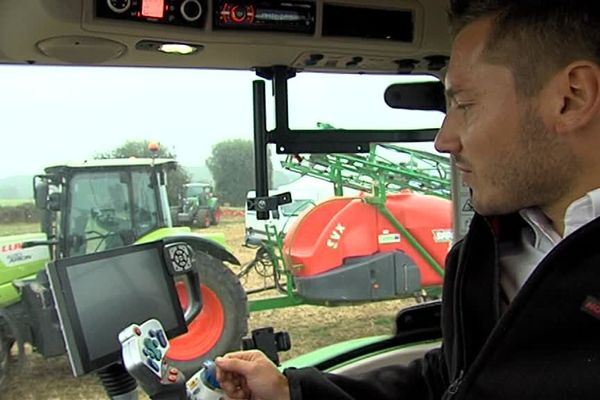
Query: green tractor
100, 205
198, 206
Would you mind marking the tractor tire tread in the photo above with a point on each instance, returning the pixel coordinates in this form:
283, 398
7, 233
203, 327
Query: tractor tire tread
225, 284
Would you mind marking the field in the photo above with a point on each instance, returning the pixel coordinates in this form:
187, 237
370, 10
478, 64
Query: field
15, 229
14, 202
310, 327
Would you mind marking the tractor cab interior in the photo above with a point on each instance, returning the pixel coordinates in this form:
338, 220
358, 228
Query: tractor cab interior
277, 41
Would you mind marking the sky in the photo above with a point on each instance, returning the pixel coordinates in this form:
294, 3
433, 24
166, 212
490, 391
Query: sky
52, 115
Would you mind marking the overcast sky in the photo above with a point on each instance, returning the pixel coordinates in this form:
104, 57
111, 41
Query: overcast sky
51, 115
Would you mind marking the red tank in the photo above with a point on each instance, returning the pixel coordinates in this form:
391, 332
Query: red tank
339, 228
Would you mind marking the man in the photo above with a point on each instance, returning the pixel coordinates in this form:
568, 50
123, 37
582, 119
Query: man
521, 308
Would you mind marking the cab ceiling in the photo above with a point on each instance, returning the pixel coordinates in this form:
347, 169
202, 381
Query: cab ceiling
73, 32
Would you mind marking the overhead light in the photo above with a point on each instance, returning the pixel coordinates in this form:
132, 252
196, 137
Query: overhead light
169, 48
175, 48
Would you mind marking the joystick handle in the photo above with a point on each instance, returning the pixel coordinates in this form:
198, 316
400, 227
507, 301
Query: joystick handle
203, 385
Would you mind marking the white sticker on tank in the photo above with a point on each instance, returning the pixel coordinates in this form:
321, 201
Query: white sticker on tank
388, 238
442, 235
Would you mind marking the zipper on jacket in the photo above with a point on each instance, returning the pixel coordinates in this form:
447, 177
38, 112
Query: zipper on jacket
459, 325
454, 386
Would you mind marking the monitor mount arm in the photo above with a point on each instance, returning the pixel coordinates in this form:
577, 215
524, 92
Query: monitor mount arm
288, 141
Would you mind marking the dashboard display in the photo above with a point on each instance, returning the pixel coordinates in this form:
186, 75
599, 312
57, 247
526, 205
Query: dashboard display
188, 13
153, 8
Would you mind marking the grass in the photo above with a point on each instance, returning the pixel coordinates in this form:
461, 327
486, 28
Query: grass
314, 327
14, 202
16, 229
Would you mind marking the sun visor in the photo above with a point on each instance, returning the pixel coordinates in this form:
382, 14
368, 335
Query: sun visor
82, 49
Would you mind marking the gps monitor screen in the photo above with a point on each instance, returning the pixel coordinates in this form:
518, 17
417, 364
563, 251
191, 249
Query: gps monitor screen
98, 295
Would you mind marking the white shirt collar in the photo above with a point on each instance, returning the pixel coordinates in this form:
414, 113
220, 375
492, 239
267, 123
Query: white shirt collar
579, 213
518, 263
582, 211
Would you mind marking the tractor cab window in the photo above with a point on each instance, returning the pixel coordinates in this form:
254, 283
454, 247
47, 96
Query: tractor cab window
108, 210
193, 191
145, 212
100, 218
201, 193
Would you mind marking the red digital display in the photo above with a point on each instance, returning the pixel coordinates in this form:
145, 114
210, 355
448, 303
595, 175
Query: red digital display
153, 8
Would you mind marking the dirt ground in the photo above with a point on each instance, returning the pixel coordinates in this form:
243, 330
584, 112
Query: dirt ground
310, 327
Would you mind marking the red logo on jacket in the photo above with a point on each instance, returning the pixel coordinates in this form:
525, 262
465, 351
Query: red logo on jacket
591, 305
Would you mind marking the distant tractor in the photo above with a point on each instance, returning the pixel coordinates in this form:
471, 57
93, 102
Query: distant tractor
198, 207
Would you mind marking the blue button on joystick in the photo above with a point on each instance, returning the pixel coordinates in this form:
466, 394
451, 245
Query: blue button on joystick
153, 364
161, 338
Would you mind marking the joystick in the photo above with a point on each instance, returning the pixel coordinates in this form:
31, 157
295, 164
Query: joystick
144, 350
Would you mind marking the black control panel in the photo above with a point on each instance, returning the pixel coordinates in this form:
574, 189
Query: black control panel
190, 13
265, 15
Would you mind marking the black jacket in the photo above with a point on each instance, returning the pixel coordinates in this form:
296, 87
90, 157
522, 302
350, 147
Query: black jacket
545, 346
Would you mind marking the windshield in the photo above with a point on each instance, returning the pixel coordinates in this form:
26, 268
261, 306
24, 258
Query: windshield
108, 210
188, 116
195, 190
204, 120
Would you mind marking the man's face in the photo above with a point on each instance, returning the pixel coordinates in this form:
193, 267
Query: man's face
501, 146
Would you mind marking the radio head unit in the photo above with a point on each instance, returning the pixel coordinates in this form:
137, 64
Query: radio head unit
284, 16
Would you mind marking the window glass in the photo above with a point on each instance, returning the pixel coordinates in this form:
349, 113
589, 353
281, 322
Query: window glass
100, 216
145, 209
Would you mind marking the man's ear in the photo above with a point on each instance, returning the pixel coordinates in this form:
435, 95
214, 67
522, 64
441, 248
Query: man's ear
579, 89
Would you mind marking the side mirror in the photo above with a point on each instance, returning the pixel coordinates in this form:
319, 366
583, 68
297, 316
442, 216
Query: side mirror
426, 96
40, 192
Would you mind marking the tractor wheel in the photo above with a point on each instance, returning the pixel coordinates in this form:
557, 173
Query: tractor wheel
5, 345
215, 216
221, 324
201, 219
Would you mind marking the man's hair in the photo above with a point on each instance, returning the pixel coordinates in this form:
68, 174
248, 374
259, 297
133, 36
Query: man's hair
534, 38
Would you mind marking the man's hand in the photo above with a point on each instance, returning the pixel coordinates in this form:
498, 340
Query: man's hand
251, 375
